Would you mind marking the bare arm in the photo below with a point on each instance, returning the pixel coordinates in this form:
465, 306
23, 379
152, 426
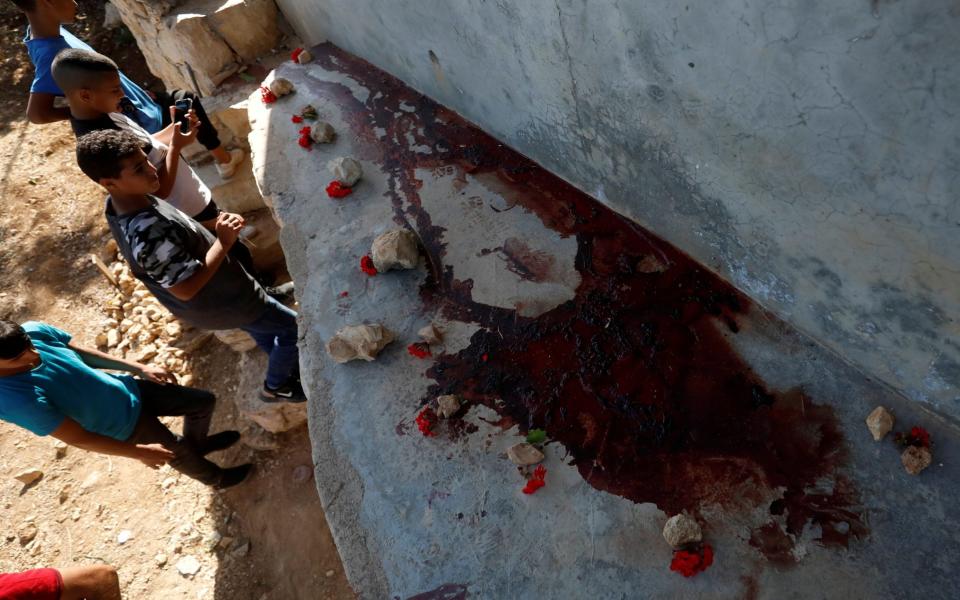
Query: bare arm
102, 360
70, 432
227, 229
40, 109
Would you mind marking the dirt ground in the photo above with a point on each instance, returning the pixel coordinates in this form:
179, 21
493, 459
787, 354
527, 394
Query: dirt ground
265, 539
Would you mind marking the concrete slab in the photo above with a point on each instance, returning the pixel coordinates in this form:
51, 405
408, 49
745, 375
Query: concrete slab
661, 388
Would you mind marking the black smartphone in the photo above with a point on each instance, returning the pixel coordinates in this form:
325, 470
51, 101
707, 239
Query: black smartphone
181, 108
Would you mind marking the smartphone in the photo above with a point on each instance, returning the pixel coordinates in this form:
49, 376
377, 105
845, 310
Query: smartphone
181, 108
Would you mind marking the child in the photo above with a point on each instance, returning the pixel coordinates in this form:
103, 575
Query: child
92, 83
186, 267
94, 582
46, 37
51, 386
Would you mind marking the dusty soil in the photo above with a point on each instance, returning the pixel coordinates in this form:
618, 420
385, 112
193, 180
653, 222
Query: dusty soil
265, 539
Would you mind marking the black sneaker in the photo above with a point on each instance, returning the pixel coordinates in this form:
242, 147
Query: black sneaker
219, 441
282, 293
234, 475
291, 391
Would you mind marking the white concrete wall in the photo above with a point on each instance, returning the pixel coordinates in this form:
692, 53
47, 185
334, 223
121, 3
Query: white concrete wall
809, 152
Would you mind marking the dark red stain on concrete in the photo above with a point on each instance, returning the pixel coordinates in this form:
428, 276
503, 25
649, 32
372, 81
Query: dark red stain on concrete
635, 376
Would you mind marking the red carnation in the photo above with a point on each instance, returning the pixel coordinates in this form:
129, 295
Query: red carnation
366, 264
338, 190
536, 481
920, 436
305, 142
419, 349
344, 294
690, 562
426, 419
267, 96
296, 119
296, 54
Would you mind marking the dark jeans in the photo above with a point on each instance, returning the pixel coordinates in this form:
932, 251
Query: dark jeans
196, 408
207, 135
276, 334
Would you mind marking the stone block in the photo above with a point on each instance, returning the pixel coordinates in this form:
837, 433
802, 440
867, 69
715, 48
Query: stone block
248, 26
238, 340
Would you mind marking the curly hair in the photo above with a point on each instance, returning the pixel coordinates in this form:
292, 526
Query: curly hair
13, 339
100, 154
24, 5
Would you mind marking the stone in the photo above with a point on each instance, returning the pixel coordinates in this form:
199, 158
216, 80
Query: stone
396, 249
431, 334
26, 532
322, 133
915, 459
59, 449
249, 27
524, 454
237, 339
124, 536
302, 473
359, 342
28, 476
111, 17
448, 405
173, 329
113, 338
273, 417
304, 57
879, 422
281, 87
681, 530
188, 566
346, 170
160, 559
651, 264
101, 340
241, 549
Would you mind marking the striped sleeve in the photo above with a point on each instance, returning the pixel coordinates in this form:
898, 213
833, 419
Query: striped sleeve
156, 246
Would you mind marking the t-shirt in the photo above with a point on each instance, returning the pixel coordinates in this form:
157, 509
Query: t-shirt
164, 247
62, 386
189, 194
138, 105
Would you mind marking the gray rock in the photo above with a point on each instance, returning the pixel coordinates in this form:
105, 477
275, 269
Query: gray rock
524, 454
879, 422
396, 249
681, 530
359, 342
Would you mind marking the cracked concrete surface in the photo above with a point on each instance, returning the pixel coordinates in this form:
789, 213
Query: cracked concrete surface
444, 516
788, 147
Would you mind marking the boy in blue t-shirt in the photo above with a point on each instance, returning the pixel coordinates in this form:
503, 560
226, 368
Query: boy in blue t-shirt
51, 386
46, 37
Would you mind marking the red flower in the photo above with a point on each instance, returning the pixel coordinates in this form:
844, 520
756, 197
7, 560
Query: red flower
305, 142
267, 96
419, 349
296, 119
338, 190
305, 130
920, 436
536, 481
484, 358
688, 563
296, 54
366, 263
426, 419
344, 294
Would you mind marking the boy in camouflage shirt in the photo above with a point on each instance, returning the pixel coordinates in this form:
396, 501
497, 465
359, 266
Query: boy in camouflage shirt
184, 265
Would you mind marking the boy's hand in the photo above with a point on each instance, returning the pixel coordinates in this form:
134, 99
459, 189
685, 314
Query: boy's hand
228, 229
153, 455
156, 374
180, 140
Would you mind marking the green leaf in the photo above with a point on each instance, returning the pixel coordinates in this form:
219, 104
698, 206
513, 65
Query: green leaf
536, 436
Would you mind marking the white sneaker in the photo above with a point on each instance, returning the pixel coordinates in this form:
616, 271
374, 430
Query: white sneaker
228, 170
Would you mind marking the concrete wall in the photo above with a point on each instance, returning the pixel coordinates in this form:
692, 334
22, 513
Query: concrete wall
809, 152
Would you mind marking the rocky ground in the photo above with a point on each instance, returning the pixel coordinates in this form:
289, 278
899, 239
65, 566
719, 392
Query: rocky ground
168, 536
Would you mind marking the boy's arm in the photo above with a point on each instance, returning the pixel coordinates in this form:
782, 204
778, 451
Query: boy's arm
177, 141
101, 360
40, 109
227, 229
70, 432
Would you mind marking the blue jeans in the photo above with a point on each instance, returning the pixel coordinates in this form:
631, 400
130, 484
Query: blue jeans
276, 334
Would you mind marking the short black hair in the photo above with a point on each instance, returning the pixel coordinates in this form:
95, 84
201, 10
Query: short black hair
75, 68
25, 5
13, 340
100, 153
